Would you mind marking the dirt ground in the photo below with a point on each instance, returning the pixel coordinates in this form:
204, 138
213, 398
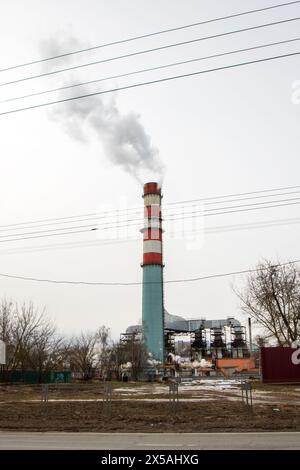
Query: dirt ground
147, 417
203, 406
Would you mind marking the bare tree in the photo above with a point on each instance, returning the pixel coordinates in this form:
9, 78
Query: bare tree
32, 343
272, 298
89, 350
104, 351
6, 328
133, 351
114, 360
47, 350
31, 339
261, 341
27, 325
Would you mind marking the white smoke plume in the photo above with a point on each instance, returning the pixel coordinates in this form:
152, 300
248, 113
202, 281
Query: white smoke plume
122, 136
61, 42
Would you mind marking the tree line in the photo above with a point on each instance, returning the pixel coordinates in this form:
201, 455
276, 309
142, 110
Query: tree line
33, 343
270, 296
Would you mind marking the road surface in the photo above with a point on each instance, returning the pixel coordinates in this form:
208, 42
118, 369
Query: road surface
145, 441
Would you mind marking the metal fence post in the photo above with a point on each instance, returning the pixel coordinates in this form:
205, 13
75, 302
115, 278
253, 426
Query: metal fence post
247, 395
107, 400
45, 396
173, 396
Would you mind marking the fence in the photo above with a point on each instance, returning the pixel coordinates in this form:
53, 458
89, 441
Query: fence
33, 377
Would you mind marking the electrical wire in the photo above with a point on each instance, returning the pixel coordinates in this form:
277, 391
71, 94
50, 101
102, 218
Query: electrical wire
249, 226
120, 217
91, 226
150, 82
137, 222
147, 51
183, 207
212, 230
170, 281
143, 36
112, 225
232, 207
218, 229
150, 69
235, 211
165, 207
261, 191
67, 245
48, 235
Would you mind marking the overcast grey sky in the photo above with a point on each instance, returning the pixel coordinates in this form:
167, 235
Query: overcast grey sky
227, 132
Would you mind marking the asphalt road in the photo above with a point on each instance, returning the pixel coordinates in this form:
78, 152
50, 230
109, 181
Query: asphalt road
145, 441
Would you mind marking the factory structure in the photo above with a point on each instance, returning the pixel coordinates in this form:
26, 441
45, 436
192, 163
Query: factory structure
222, 343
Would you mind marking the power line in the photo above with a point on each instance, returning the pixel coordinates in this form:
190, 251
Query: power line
139, 221
237, 194
91, 226
238, 210
206, 213
143, 36
136, 222
249, 226
48, 235
146, 51
70, 244
150, 69
206, 230
151, 82
140, 212
171, 281
233, 207
165, 206
193, 203
218, 229
117, 224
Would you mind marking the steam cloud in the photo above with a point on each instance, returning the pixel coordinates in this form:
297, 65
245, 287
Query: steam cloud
122, 136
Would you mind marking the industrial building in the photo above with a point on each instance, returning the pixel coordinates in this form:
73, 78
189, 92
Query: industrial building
212, 340
217, 339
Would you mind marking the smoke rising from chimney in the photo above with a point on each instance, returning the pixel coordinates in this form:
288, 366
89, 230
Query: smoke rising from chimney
123, 137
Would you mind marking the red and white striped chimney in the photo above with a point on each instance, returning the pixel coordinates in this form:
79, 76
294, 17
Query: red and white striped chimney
153, 298
152, 246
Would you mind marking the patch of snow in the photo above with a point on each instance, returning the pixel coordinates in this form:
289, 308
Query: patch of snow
153, 362
203, 363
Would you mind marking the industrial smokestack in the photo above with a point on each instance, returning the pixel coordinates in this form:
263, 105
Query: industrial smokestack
153, 302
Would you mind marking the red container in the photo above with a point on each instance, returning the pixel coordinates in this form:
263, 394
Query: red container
280, 365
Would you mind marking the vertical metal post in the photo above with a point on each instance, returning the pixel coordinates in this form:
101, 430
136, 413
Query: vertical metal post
250, 335
45, 396
247, 395
173, 396
107, 400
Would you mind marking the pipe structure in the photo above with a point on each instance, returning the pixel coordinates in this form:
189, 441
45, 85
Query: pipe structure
153, 299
